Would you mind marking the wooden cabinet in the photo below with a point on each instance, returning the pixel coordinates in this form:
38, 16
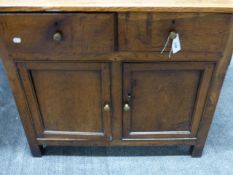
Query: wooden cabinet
100, 79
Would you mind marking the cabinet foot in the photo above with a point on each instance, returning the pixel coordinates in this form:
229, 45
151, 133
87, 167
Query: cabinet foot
37, 151
196, 151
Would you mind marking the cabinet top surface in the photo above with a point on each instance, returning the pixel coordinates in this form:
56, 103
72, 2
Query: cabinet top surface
219, 6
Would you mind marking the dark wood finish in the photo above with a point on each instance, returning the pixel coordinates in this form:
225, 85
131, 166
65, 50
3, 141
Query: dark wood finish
81, 33
67, 99
123, 142
68, 66
117, 100
213, 95
199, 32
21, 102
166, 99
120, 56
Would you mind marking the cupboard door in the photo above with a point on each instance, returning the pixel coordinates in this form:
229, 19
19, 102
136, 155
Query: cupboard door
68, 100
164, 100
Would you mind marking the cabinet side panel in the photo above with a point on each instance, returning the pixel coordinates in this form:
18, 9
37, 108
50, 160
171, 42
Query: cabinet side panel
20, 99
213, 95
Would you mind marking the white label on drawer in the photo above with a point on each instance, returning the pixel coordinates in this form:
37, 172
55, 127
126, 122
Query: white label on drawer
176, 46
17, 40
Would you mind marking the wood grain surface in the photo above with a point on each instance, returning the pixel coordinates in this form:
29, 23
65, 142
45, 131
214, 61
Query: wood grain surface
222, 6
198, 32
61, 89
81, 33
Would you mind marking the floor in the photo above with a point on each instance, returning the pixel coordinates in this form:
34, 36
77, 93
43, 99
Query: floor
15, 157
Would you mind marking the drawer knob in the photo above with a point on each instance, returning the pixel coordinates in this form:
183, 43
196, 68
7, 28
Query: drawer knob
175, 43
57, 36
126, 107
172, 35
107, 108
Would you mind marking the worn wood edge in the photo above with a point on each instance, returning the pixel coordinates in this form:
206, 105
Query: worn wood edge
116, 94
127, 142
106, 99
121, 56
201, 96
213, 95
26, 82
117, 8
20, 99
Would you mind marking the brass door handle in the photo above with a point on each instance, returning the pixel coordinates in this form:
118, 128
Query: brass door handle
107, 107
57, 36
126, 107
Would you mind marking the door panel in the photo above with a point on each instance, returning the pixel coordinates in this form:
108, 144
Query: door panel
66, 99
165, 99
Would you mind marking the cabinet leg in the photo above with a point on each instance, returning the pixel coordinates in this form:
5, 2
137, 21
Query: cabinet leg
36, 151
196, 151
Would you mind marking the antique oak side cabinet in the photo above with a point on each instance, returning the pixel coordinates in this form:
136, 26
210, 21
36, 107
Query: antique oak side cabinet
116, 73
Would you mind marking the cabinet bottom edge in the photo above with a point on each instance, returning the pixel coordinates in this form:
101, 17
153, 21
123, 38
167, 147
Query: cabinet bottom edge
123, 142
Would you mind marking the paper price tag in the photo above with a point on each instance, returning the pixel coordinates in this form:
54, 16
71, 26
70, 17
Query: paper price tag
176, 45
17, 40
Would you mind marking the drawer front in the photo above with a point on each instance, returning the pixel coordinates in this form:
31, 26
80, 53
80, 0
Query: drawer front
54, 34
198, 32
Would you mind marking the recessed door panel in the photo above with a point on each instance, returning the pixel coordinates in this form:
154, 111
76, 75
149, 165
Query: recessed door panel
67, 99
165, 100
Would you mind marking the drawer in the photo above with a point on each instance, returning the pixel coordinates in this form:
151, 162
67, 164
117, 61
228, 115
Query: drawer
199, 32
56, 34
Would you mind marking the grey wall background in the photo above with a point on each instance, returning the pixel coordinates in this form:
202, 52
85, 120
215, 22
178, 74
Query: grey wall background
15, 157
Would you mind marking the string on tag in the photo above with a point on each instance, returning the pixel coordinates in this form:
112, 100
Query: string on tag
168, 39
170, 53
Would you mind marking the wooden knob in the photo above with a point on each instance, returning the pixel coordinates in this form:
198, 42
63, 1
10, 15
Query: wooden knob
106, 107
126, 107
57, 36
